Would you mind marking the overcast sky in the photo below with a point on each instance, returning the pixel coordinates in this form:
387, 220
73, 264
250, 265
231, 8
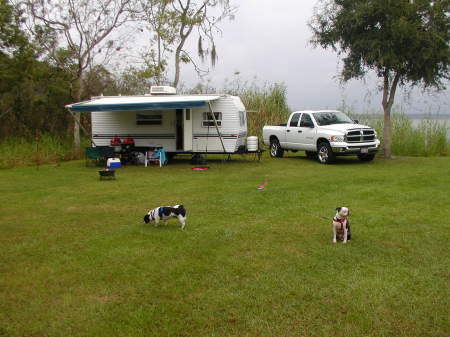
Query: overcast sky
269, 40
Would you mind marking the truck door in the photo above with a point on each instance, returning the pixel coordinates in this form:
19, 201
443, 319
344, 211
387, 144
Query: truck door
306, 133
292, 132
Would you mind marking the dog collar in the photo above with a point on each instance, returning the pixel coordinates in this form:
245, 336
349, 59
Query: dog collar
339, 220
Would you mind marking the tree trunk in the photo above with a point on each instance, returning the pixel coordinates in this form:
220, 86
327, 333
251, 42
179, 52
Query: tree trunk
388, 100
178, 51
158, 77
177, 65
76, 134
387, 132
77, 117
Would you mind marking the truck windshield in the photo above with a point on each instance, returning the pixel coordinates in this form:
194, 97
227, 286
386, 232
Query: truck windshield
331, 117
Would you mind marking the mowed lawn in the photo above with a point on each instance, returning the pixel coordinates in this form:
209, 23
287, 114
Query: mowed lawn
77, 259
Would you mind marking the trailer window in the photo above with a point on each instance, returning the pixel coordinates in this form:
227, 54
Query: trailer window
148, 119
209, 121
242, 118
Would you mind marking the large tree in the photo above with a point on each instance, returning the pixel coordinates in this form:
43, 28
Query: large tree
402, 41
29, 88
72, 32
172, 23
13, 43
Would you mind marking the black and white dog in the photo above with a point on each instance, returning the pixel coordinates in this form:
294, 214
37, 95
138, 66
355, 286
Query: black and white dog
341, 225
166, 212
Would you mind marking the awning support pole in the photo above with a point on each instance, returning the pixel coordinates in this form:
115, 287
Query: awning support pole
82, 127
217, 127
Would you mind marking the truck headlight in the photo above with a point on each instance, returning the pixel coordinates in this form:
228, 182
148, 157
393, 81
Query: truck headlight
336, 138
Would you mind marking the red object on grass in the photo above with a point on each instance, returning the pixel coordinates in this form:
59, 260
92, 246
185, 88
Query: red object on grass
263, 185
200, 168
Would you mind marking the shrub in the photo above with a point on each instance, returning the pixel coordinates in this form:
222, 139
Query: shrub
43, 150
265, 105
428, 138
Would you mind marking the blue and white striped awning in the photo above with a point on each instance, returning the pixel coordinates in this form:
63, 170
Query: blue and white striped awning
140, 103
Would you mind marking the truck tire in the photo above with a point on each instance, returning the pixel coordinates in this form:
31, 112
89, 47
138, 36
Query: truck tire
325, 154
275, 149
310, 154
366, 157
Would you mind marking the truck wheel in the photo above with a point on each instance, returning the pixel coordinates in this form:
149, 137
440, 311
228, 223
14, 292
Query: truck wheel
325, 154
310, 154
275, 149
366, 157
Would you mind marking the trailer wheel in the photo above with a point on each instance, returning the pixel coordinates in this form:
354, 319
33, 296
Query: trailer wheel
275, 149
366, 157
325, 154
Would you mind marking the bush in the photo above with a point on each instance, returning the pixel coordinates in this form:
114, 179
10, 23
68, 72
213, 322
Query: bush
265, 105
428, 138
43, 150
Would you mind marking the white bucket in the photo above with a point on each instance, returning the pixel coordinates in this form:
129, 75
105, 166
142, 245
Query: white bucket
252, 143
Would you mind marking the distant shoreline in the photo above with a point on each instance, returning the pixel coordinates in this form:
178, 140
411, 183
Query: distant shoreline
411, 116
415, 118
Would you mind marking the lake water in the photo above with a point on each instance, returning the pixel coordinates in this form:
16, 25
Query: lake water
444, 119
416, 119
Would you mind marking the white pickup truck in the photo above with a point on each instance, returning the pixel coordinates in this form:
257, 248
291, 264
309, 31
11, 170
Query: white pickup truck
323, 134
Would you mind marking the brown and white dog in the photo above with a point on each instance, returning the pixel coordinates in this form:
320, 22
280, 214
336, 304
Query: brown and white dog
341, 225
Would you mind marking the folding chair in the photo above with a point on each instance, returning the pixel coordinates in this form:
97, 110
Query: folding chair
98, 155
157, 155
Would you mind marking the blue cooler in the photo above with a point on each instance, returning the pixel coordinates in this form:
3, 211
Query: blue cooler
113, 163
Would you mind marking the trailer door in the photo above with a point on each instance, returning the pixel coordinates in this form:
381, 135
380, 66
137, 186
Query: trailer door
187, 121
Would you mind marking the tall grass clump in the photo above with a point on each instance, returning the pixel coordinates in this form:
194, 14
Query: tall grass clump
46, 149
428, 138
265, 105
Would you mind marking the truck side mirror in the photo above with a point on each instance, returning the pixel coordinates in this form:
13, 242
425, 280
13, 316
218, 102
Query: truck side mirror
356, 121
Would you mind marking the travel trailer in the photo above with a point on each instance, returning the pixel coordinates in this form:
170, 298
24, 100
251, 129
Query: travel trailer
177, 123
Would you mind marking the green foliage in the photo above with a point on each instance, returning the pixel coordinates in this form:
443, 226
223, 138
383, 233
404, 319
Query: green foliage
266, 105
32, 97
32, 92
77, 259
409, 38
45, 149
427, 138
99, 81
12, 38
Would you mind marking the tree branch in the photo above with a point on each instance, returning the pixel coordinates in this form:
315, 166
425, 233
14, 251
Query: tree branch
199, 71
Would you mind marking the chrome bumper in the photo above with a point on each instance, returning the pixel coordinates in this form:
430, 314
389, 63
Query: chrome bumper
355, 148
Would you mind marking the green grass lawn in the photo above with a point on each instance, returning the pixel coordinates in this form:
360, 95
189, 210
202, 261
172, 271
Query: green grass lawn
77, 259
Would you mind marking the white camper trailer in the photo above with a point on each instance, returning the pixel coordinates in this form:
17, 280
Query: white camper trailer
178, 123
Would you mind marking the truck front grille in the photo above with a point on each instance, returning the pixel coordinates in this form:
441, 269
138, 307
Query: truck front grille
360, 136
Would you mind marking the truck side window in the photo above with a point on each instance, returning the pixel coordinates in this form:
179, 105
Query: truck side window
306, 121
294, 120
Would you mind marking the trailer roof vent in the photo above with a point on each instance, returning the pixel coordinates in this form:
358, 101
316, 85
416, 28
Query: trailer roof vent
162, 90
